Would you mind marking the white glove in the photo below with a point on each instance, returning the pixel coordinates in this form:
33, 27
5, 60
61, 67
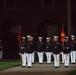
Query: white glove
20, 54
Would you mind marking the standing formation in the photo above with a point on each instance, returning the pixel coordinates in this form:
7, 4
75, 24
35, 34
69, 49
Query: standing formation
49, 48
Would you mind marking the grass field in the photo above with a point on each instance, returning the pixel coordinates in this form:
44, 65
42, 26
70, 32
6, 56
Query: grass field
5, 64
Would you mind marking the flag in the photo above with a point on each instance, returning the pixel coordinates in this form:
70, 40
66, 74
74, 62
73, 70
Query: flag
62, 34
19, 34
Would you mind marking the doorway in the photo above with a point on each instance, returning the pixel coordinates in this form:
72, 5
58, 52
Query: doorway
51, 30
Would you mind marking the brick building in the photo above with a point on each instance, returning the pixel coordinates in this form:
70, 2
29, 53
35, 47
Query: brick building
37, 18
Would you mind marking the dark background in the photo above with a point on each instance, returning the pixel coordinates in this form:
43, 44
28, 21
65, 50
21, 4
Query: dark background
34, 16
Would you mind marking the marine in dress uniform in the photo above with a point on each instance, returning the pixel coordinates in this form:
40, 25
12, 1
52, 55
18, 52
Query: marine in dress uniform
22, 52
48, 50
40, 47
73, 48
1, 50
29, 52
33, 49
56, 46
66, 51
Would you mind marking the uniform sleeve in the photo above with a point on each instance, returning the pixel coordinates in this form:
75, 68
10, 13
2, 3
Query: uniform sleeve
51, 49
43, 46
36, 46
52, 46
60, 47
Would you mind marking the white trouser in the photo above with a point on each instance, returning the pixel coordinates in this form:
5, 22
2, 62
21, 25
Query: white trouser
62, 54
1, 54
40, 57
48, 56
33, 57
66, 59
29, 59
73, 56
56, 60
23, 59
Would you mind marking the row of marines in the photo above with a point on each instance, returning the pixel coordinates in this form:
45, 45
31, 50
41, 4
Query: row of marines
67, 50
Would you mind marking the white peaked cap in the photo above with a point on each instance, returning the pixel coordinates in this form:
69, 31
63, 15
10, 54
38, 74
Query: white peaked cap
23, 37
40, 37
55, 36
28, 36
72, 35
48, 38
67, 37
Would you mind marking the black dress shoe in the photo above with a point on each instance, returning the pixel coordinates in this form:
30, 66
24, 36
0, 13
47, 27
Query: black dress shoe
73, 63
56, 67
66, 66
28, 67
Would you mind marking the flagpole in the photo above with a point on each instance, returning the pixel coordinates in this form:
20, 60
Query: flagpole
19, 40
62, 40
20, 55
20, 48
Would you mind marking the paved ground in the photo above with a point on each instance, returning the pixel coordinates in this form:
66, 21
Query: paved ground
42, 69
